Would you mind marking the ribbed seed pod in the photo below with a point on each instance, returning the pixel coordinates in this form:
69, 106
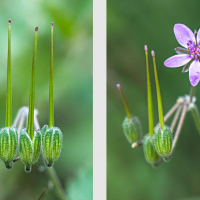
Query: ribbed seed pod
51, 143
163, 141
149, 150
29, 149
8, 145
132, 129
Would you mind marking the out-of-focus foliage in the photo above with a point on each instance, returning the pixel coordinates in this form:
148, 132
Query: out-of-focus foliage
72, 89
131, 25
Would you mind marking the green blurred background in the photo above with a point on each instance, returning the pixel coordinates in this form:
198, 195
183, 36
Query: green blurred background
72, 90
131, 24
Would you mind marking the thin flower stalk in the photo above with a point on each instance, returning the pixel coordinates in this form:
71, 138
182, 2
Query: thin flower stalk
175, 120
180, 124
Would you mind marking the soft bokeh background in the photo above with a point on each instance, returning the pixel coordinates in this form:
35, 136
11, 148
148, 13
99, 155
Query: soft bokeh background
131, 25
72, 90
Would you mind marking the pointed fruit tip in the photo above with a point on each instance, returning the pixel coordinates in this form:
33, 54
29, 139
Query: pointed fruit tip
36, 29
145, 48
118, 86
153, 53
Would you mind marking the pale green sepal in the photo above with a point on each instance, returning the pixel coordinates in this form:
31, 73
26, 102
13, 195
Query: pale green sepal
163, 141
51, 144
57, 143
132, 129
26, 149
8, 145
36, 146
149, 150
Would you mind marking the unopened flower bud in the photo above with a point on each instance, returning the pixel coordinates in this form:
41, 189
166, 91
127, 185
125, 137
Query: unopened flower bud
149, 150
8, 145
132, 129
163, 141
29, 149
52, 143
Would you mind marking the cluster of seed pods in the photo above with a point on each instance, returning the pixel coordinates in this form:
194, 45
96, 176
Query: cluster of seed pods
157, 144
30, 142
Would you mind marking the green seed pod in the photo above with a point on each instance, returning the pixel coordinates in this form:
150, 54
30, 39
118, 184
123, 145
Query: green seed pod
163, 141
8, 145
29, 149
36, 146
51, 144
149, 150
132, 129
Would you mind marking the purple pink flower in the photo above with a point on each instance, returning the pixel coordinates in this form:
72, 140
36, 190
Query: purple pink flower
188, 56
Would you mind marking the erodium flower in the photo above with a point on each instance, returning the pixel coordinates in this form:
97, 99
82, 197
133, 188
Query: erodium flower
188, 56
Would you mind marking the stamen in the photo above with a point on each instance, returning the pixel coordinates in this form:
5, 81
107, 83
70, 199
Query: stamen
188, 48
193, 42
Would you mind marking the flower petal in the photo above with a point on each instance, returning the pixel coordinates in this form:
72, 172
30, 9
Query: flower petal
194, 72
198, 37
183, 34
177, 60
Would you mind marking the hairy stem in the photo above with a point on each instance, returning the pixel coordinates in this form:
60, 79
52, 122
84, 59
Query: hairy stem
175, 120
180, 124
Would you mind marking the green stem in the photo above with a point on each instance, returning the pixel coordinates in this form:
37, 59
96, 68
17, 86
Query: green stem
192, 91
51, 99
195, 114
124, 101
150, 102
53, 176
160, 109
9, 84
32, 91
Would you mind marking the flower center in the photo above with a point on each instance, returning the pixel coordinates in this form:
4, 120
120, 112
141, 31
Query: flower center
194, 49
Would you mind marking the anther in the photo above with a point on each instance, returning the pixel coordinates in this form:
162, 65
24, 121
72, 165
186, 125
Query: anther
188, 48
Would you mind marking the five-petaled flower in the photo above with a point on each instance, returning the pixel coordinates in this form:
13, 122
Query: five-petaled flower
188, 56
